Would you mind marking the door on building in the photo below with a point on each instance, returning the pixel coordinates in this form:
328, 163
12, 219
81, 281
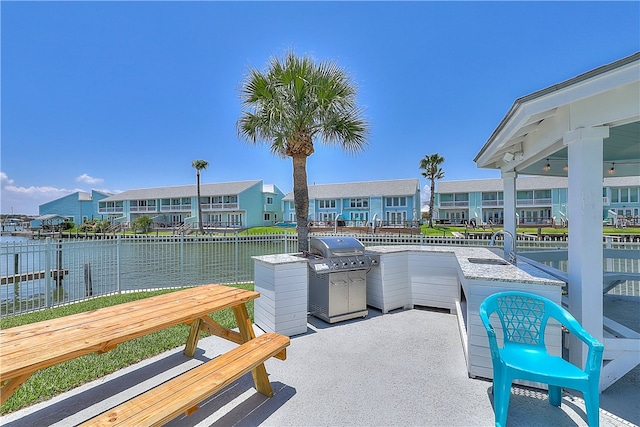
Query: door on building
235, 220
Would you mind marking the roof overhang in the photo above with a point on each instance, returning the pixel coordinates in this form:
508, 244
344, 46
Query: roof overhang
531, 135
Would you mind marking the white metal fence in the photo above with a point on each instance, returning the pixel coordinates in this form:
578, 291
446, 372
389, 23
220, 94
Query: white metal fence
40, 274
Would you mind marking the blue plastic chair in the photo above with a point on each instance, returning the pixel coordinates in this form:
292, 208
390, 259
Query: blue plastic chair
523, 356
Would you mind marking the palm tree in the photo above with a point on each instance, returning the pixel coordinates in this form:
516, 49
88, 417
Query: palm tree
432, 171
293, 102
199, 165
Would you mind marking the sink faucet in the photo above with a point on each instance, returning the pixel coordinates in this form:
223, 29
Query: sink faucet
512, 253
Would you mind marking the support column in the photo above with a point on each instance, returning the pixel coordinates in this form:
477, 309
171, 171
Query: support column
510, 224
584, 206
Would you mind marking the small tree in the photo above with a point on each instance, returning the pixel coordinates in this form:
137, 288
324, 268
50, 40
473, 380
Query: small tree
142, 223
199, 165
101, 225
432, 171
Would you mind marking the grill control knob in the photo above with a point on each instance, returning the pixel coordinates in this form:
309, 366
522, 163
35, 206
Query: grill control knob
353, 263
361, 262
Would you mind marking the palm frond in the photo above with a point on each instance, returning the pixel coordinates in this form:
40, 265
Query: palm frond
293, 97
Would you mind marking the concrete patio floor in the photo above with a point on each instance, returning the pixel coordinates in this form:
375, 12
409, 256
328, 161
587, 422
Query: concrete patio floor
405, 368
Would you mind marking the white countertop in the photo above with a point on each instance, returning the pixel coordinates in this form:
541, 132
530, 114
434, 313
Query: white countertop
524, 273
280, 258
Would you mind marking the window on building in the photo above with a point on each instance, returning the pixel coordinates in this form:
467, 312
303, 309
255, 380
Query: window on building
395, 201
614, 195
525, 195
326, 204
633, 194
230, 199
624, 195
359, 203
269, 200
267, 217
542, 194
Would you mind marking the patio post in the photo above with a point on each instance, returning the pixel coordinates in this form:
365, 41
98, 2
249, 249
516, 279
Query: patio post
509, 192
585, 231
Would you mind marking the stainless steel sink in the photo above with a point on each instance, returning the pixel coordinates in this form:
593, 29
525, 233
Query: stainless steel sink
488, 261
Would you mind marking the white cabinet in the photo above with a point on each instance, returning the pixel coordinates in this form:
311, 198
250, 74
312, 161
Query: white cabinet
282, 283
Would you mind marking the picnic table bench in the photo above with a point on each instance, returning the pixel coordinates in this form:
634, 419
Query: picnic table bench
29, 348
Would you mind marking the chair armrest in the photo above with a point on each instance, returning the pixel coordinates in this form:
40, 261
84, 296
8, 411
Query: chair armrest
593, 362
491, 333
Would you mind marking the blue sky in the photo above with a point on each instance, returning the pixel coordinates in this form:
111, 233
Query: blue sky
120, 95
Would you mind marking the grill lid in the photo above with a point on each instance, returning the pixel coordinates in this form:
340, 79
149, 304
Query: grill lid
335, 246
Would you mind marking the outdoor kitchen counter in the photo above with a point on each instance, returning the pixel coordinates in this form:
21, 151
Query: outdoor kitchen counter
473, 271
444, 277
278, 259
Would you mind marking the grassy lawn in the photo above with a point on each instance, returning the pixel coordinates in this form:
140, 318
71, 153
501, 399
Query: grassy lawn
247, 232
441, 230
437, 230
49, 382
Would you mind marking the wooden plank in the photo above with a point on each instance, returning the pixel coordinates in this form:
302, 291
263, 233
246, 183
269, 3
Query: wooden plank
182, 394
179, 310
28, 348
85, 341
259, 373
214, 328
34, 275
193, 338
11, 386
215, 298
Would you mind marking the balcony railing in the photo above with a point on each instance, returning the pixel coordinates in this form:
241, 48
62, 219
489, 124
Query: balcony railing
219, 206
118, 209
489, 203
143, 209
174, 208
533, 202
459, 204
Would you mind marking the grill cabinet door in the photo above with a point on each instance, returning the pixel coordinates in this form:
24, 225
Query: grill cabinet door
338, 293
357, 290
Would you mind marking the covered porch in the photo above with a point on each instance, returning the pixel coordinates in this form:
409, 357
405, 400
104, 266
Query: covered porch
584, 128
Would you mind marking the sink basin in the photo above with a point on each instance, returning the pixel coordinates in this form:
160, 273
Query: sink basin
488, 261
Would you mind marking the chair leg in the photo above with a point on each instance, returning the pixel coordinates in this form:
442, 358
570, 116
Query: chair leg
555, 395
501, 396
592, 405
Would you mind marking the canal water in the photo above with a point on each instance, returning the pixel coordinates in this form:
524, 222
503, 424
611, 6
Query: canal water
98, 267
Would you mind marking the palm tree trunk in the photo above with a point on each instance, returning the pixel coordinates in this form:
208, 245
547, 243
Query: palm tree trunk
200, 227
431, 200
301, 200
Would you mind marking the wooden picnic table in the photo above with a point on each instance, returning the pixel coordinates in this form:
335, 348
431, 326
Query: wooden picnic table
30, 348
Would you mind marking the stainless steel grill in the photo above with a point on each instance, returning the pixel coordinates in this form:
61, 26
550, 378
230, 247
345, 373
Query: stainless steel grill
338, 278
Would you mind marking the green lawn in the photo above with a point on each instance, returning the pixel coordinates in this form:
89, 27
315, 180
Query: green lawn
49, 382
440, 230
